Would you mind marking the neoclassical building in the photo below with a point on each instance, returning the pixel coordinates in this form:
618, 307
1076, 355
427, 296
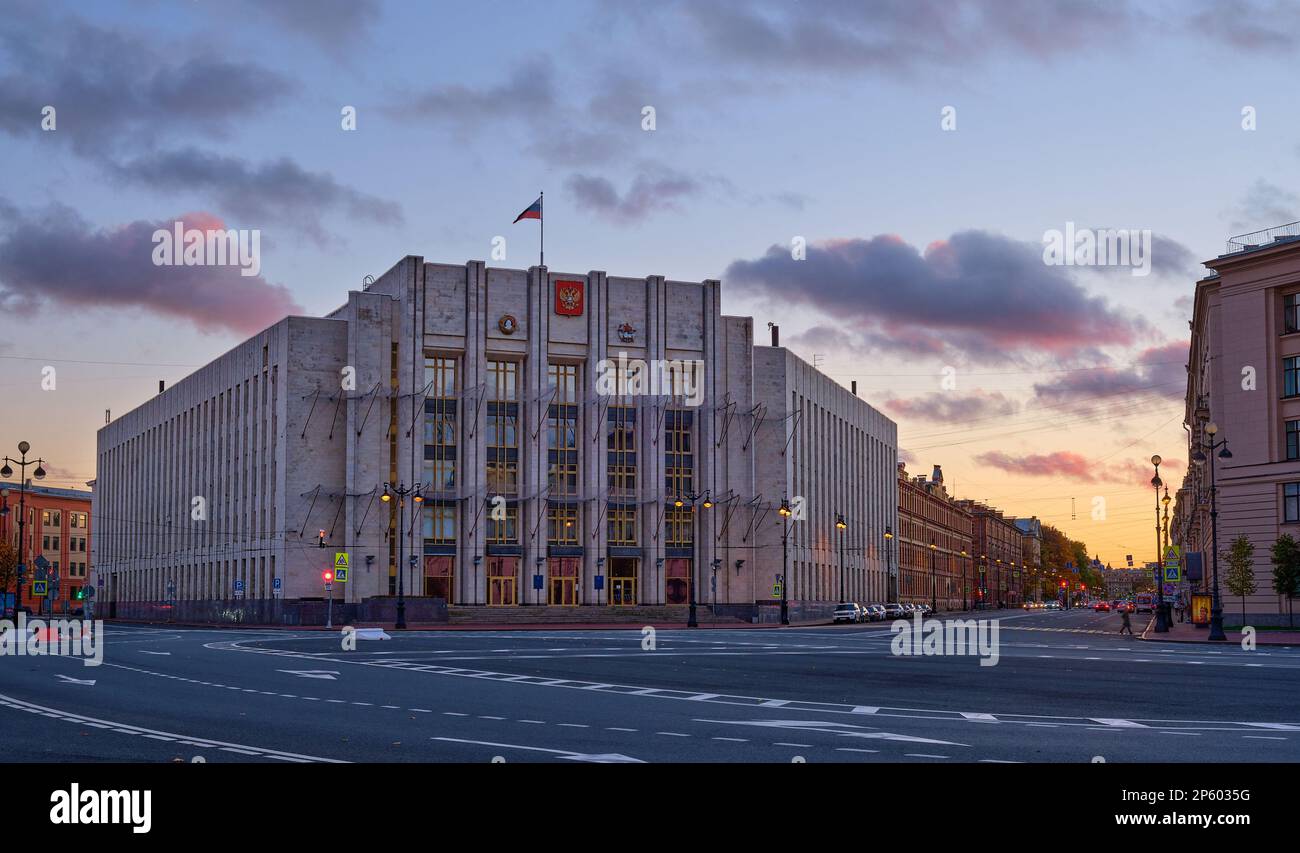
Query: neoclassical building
577, 440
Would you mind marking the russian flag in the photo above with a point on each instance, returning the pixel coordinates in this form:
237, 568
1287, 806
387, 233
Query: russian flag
533, 211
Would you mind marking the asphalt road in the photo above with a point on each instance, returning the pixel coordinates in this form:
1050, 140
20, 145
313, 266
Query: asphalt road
1066, 688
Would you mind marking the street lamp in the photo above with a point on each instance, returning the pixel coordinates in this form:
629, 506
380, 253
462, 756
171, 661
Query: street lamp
401, 491
1162, 615
891, 591
784, 512
691, 621
934, 590
1216, 607
841, 526
6, 472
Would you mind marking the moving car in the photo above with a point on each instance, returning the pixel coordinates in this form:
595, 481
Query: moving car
848, 612
1146, 603
1102, 607
1052, 605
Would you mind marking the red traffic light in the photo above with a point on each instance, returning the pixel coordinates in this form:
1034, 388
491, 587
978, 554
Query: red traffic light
327, 575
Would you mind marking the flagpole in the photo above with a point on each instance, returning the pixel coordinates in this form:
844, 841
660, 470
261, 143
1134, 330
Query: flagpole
542, 222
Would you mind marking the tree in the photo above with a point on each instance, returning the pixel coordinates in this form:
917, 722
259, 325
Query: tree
8, 566
1286, 571
1240, 579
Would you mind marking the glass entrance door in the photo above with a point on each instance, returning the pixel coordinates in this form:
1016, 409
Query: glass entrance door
622, 581
502, 580
562, 581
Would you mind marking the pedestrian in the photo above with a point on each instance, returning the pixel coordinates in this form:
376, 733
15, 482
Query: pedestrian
1127, 626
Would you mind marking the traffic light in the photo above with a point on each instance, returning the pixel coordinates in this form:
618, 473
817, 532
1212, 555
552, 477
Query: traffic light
320, 539
81, 593
327, 575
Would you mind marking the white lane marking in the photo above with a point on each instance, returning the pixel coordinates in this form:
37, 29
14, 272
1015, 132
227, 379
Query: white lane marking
131, 729
90, 682
619, 729
147, 652
598, 758
1262, 737
1125, 724
856, 749
672, 734
922, 755
732, 739
984, 718
327, 674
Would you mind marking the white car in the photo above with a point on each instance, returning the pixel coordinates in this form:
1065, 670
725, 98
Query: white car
848, 612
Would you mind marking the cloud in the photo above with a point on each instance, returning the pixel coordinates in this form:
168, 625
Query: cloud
1157, 372
1263, 205
948, 407
1070, 465
275, 191
55, 258
335, 25
654, 189
112, 89
899, 37
975, 295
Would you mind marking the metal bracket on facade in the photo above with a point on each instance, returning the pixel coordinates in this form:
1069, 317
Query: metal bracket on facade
373, 394
310, 412
730, 409
755, 517
362, 523
418, 408
798, 419
337, 404
759, 414
732, 502
315, 493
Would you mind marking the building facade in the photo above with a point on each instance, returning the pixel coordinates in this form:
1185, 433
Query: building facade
830, 456
58, 529
578, 439
998, 556
935, 544
1244, 377
1033, 573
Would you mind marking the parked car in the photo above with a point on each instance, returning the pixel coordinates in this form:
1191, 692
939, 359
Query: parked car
848, 612
908, 608
875, 612
894, 610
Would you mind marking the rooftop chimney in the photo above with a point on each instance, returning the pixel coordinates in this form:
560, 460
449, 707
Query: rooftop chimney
776, 336
854, 387
937, 474
160, 386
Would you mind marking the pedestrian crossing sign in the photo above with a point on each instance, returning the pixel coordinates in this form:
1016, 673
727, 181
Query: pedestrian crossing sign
776, 590
341, 575
341, 560
39, 589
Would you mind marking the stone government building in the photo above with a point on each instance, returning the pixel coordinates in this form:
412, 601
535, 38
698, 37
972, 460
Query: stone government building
227, 495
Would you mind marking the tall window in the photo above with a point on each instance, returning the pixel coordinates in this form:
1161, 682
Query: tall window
1291, 376
562, 455
503, 428
1291, 313
620, 452
1293, 439
679, 477
440, 446
1291, 501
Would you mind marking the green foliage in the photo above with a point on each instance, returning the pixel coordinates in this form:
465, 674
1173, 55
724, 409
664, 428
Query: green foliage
1240, 556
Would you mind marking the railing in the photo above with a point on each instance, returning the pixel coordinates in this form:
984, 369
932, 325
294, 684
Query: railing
1255, 239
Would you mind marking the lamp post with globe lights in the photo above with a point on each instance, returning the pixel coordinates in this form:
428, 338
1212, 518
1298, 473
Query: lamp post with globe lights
1162, 612
417, 497
6, 472
1200, 457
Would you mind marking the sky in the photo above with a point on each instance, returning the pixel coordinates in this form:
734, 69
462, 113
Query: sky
921, 153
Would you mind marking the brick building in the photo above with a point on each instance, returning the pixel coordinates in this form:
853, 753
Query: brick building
998, 554
58, 529
934, 544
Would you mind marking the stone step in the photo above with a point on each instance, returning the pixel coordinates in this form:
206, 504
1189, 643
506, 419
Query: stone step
574, 615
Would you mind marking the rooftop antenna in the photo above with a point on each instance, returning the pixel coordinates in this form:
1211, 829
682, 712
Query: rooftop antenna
817, 361
1073, 517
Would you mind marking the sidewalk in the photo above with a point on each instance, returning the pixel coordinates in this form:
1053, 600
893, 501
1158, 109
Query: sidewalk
1186, 632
